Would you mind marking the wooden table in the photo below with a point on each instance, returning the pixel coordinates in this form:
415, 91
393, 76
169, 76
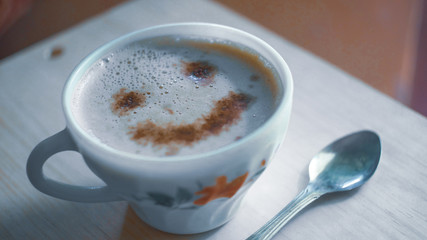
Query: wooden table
328, 104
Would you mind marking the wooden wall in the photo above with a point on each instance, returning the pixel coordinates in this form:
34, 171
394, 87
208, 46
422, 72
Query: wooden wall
377, 41
46, 17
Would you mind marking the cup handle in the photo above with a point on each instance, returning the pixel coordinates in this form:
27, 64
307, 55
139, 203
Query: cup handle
59, 142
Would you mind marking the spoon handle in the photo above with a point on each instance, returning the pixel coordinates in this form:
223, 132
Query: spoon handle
277, 222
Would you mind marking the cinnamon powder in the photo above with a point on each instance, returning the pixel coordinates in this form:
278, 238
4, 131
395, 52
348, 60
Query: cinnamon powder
225, 113
126, 101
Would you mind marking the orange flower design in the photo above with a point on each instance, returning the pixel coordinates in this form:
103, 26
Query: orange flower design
221, 189
263, 163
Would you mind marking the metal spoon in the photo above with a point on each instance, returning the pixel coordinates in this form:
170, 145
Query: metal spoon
345, 164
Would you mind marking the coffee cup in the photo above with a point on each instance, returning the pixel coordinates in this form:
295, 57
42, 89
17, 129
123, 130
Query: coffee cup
183, 167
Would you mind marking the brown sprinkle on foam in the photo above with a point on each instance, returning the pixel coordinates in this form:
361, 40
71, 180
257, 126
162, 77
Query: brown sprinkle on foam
126, 101
202, 72
225, 113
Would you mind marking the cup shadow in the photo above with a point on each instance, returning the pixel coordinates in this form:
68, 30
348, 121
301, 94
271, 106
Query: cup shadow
134, 228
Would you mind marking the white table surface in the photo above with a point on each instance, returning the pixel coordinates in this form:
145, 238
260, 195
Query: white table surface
328, 103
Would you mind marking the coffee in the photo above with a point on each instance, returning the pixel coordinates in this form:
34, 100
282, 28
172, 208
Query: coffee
175, 95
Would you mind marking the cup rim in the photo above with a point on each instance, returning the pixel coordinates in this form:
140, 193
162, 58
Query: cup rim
73, 126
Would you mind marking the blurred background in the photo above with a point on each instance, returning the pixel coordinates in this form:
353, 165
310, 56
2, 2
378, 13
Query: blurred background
381, 42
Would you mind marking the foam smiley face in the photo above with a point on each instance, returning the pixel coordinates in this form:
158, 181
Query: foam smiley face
222, 114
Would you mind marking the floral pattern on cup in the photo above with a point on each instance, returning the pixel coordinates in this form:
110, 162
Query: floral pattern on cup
185, 199
220, 189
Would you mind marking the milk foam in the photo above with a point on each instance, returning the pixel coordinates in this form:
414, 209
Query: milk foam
155, 67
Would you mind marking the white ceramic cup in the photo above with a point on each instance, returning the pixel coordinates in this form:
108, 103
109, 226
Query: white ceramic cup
166, 192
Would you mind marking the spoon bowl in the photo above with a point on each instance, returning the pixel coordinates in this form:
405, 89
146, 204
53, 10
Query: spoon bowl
343, 165
346, 163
